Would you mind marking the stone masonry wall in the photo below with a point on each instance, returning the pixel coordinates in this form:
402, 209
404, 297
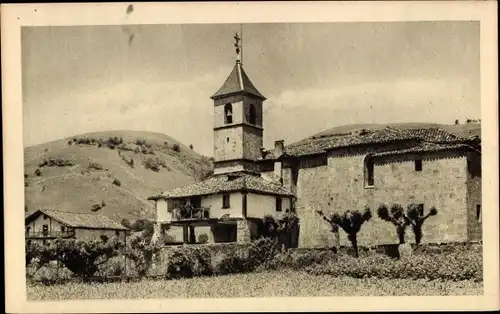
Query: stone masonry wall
313, 188
243, 231
340, 186
474, 198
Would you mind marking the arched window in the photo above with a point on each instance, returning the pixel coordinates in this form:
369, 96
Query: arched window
228, 113
368, 168
252, 116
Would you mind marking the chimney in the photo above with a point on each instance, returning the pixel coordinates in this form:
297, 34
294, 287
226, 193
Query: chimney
279, 147
278, 168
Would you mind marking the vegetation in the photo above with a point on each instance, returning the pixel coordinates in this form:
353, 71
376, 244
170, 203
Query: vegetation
176, 147
155, 164
413, 217
350, 222
55, 162
117, 182
397, 217
203, 238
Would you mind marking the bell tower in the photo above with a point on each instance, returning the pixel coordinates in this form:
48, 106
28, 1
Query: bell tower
238, 123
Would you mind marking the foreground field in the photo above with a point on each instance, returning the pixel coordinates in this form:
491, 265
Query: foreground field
265, 284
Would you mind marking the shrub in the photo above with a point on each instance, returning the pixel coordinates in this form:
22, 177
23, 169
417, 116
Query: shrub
261, 251
126, 223
141, 253
176, 147
38, 172
94, 166
203, 238
452, 266
180, 264
55, 162
191, 146
231, 262
117, 182
154, 164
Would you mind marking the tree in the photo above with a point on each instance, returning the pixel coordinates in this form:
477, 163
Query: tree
269, 227
288, 227
457, 122
397, 217
350, 221
417, 219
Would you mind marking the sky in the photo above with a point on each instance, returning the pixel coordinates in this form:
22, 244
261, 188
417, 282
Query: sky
79, 79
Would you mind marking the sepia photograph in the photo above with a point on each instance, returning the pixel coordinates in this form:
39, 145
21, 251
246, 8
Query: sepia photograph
248, 159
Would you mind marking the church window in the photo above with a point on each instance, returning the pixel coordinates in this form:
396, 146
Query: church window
228, 113
369, 172
252, 117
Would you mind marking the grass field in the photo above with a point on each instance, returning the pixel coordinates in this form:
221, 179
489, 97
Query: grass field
265, 284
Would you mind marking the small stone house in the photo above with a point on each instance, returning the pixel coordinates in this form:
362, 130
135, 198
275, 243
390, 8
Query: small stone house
334, 173
45, 224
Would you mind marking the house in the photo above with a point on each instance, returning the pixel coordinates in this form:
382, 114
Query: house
425, 166
47, 224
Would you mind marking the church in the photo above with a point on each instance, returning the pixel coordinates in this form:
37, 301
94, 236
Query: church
334, 173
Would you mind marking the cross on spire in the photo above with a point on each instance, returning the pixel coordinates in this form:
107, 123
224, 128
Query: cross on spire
237, 43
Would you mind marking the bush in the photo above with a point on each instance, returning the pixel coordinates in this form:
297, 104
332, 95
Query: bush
231, 262
38, 172
262, 251
176, 147
126, 223
203, 238
55, 162
94, 166
154, 164
117, 182
451, 266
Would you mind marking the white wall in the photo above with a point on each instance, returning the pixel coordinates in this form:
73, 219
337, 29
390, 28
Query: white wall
37, 224
260, 205
162, 213
214, 202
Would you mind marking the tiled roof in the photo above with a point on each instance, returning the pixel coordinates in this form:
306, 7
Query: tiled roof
425, 147
378, 136
227, 183
237, 81
79, 220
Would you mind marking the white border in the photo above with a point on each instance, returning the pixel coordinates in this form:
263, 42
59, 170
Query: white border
15, 16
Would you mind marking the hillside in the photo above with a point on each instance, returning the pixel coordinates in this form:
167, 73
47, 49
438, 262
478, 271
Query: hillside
111, 173
462, 130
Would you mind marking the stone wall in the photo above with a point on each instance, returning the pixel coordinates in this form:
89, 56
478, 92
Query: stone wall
474, 197
313, 189
242, 231
340, 186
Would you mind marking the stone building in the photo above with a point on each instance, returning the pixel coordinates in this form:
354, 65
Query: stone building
45, 225
425, 166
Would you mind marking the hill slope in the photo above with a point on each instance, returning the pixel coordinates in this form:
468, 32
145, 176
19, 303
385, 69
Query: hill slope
111, 173
462, 130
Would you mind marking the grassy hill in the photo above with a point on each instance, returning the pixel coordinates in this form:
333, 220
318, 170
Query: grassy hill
111, 173
462, 130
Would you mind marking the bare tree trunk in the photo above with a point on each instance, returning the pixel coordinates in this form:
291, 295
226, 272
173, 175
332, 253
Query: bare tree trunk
354, 241
401, 233
417, 229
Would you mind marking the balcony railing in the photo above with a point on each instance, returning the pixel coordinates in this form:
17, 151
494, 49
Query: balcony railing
188, 212
50, 234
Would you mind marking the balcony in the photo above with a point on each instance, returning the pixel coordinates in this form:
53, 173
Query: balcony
188, 212
50, 234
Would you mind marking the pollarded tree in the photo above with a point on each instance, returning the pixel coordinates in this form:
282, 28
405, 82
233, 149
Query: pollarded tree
350, 221
397, 217
417, 219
